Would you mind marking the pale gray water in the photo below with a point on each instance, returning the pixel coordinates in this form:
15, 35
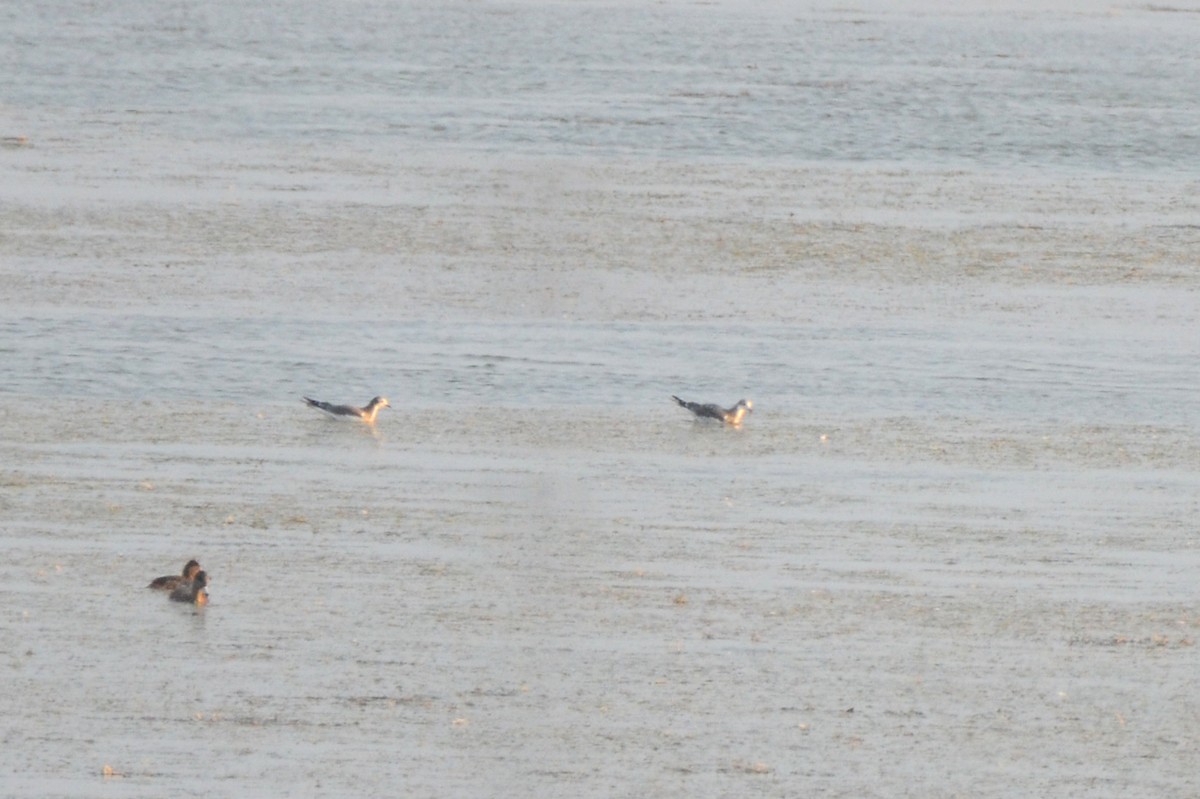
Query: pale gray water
950, 252
1092, 85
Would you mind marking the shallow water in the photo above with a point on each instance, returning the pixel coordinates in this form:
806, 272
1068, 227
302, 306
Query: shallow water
951, 257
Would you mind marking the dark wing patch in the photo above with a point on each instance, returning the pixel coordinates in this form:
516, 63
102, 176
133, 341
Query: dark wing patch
704, 411
336, 410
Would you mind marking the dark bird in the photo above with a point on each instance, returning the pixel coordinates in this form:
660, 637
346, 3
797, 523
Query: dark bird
193, 592
731, 416
366, 413
173, 581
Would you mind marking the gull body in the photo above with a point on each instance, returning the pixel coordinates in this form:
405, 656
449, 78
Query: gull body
730, 416
367, 413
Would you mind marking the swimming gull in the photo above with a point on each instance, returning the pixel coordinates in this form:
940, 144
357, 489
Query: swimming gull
732, 416
367, 413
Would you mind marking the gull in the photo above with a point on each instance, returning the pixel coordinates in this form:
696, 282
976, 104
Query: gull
173, 581
731, 416
367, 413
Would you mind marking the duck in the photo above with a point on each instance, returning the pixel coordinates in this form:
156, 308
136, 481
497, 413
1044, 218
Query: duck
367, 413
731, 416
172, 581
193, 593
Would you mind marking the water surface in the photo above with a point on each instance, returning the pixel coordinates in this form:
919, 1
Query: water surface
949, 252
